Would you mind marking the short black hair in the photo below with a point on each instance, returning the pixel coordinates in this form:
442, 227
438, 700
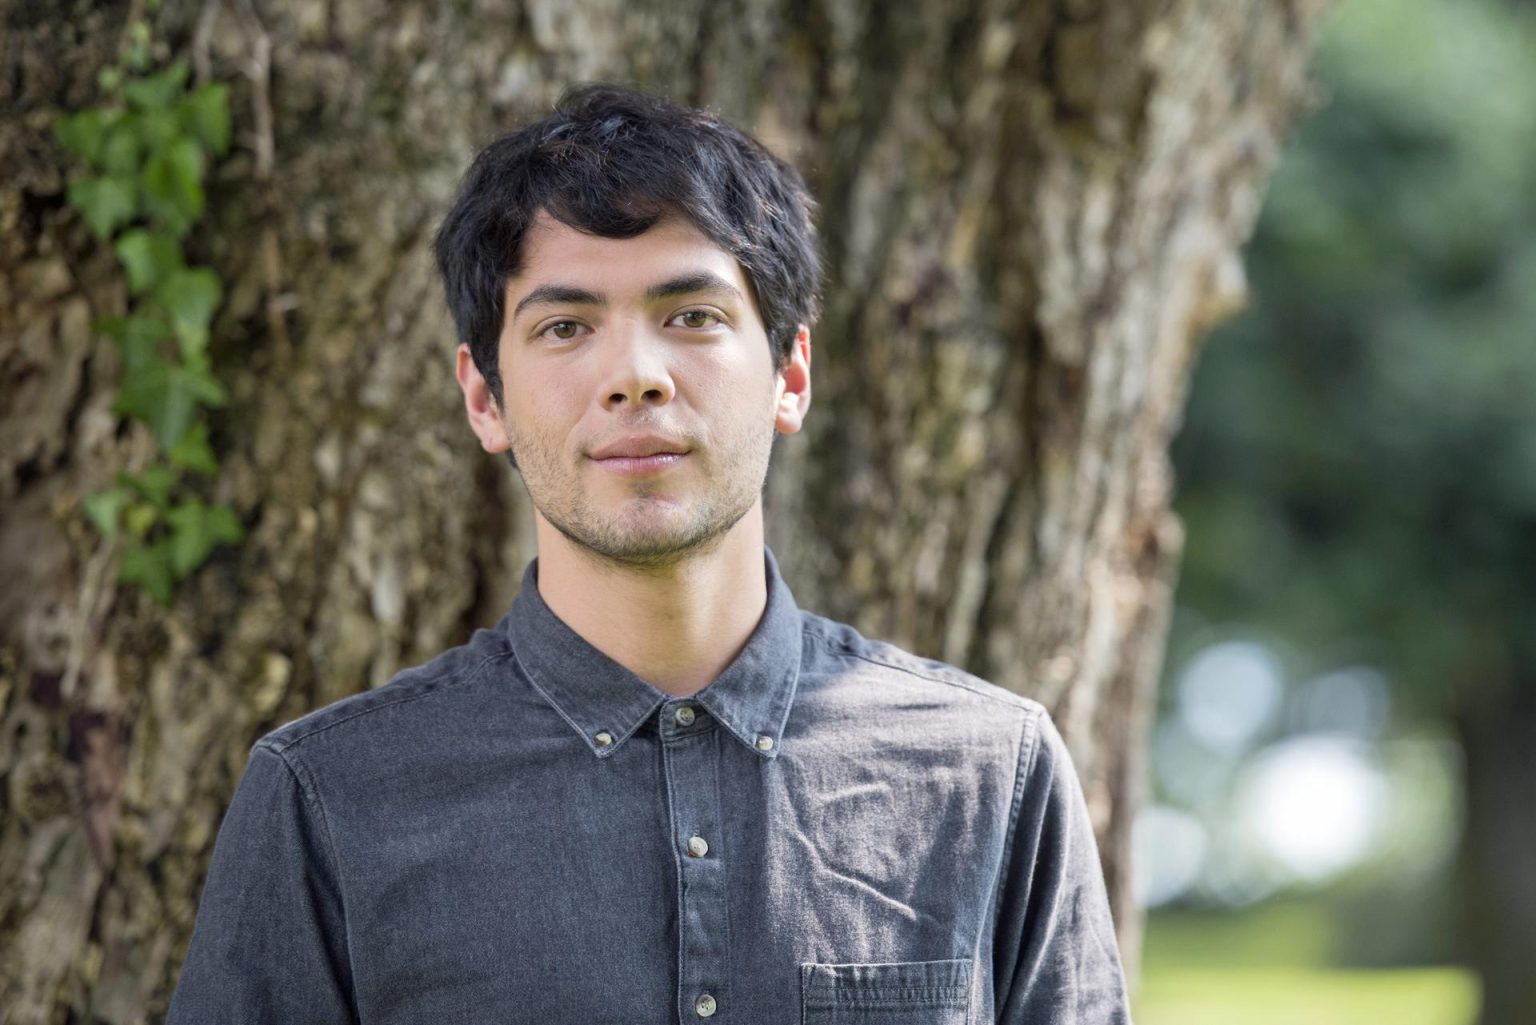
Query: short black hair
612, 161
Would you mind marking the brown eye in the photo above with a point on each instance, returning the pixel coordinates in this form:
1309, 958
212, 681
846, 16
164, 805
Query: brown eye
564, 330
697, 318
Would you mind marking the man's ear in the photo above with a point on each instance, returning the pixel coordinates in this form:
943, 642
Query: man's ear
480, 406
793, 396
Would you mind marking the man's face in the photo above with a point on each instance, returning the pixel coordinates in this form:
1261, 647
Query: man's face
652, 346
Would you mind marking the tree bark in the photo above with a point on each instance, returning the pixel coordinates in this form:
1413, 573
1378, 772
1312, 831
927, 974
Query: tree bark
1032, 214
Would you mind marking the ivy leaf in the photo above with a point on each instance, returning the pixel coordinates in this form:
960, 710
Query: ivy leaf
165, 397
136, 55
148, 257
155, 129
153, 483
205, 113
196, 529
198, 378
139, 336
194, 453
123, 149
140, 519
173, 185
154, 398
158, 91
104, 202
82, 134
105, 508
189, 296
149, 565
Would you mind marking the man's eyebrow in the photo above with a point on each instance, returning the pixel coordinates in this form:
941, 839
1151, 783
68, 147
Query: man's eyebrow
688, 284
551, 294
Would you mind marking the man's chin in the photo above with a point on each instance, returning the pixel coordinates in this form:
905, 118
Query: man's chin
641, 544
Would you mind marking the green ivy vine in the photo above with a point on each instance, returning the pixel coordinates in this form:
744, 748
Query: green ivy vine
146, 151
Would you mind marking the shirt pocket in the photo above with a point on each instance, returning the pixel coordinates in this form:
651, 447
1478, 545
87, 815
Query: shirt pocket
886, 993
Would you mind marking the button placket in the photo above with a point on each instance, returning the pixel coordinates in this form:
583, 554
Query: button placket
689, 760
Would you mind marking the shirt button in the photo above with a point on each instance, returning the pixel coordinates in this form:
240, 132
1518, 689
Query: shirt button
704, 1006
684, 715
764, 742
604, 739
698, 848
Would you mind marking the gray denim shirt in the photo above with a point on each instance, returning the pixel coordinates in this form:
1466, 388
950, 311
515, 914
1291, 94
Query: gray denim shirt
521, 830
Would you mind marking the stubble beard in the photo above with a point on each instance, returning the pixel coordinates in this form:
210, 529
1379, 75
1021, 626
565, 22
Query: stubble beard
634, 538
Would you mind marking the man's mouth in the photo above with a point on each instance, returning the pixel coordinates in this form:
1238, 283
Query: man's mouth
632, 466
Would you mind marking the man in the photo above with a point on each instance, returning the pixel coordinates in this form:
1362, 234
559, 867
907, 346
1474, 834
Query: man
656, 790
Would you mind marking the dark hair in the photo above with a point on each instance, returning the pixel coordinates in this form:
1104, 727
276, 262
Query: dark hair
612, 161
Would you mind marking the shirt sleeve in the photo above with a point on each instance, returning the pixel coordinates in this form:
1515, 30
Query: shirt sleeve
269, 941
1056, 957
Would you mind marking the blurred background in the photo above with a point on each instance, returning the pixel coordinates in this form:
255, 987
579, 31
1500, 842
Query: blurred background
236, 484
1345, 745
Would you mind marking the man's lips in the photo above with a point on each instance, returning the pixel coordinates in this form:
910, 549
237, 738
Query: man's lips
635, 466
639, 446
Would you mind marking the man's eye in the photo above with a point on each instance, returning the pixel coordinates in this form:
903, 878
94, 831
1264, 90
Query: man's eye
697, 318
564, 330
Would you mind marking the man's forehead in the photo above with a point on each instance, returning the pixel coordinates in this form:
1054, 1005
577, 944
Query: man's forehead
553, 250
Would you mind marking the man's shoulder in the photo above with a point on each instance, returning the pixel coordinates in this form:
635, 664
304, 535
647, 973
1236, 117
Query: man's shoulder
454, 669
840, 646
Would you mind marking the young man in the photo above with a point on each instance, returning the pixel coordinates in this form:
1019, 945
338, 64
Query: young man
656, 790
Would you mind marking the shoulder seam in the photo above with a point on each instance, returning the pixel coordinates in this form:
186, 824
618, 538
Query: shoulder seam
1029, 754
305, 783
1007, 697
1029, 737
469, 678
306, 788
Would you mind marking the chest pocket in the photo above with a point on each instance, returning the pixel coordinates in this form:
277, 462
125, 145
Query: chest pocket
887, 993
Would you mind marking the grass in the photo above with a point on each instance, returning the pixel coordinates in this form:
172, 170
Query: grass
1307, 996
1271, 966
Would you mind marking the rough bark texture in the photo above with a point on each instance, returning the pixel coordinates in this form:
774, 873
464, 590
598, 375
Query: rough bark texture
1032, 213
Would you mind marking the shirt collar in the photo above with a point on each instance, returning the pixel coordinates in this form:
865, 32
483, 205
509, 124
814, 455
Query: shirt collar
605, 703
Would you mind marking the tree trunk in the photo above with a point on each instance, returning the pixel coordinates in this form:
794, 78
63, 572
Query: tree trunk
1497, 726
1032, 214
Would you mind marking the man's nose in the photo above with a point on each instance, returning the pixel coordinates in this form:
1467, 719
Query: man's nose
636, 372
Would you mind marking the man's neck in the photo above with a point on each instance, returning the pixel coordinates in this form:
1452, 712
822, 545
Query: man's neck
676, 628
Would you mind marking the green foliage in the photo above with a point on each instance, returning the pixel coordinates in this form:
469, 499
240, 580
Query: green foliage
166, 398
195, 530
190, 295
148, 257
105, 203
205, 115
145, 152
173, 184
1358, 464
158, 92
